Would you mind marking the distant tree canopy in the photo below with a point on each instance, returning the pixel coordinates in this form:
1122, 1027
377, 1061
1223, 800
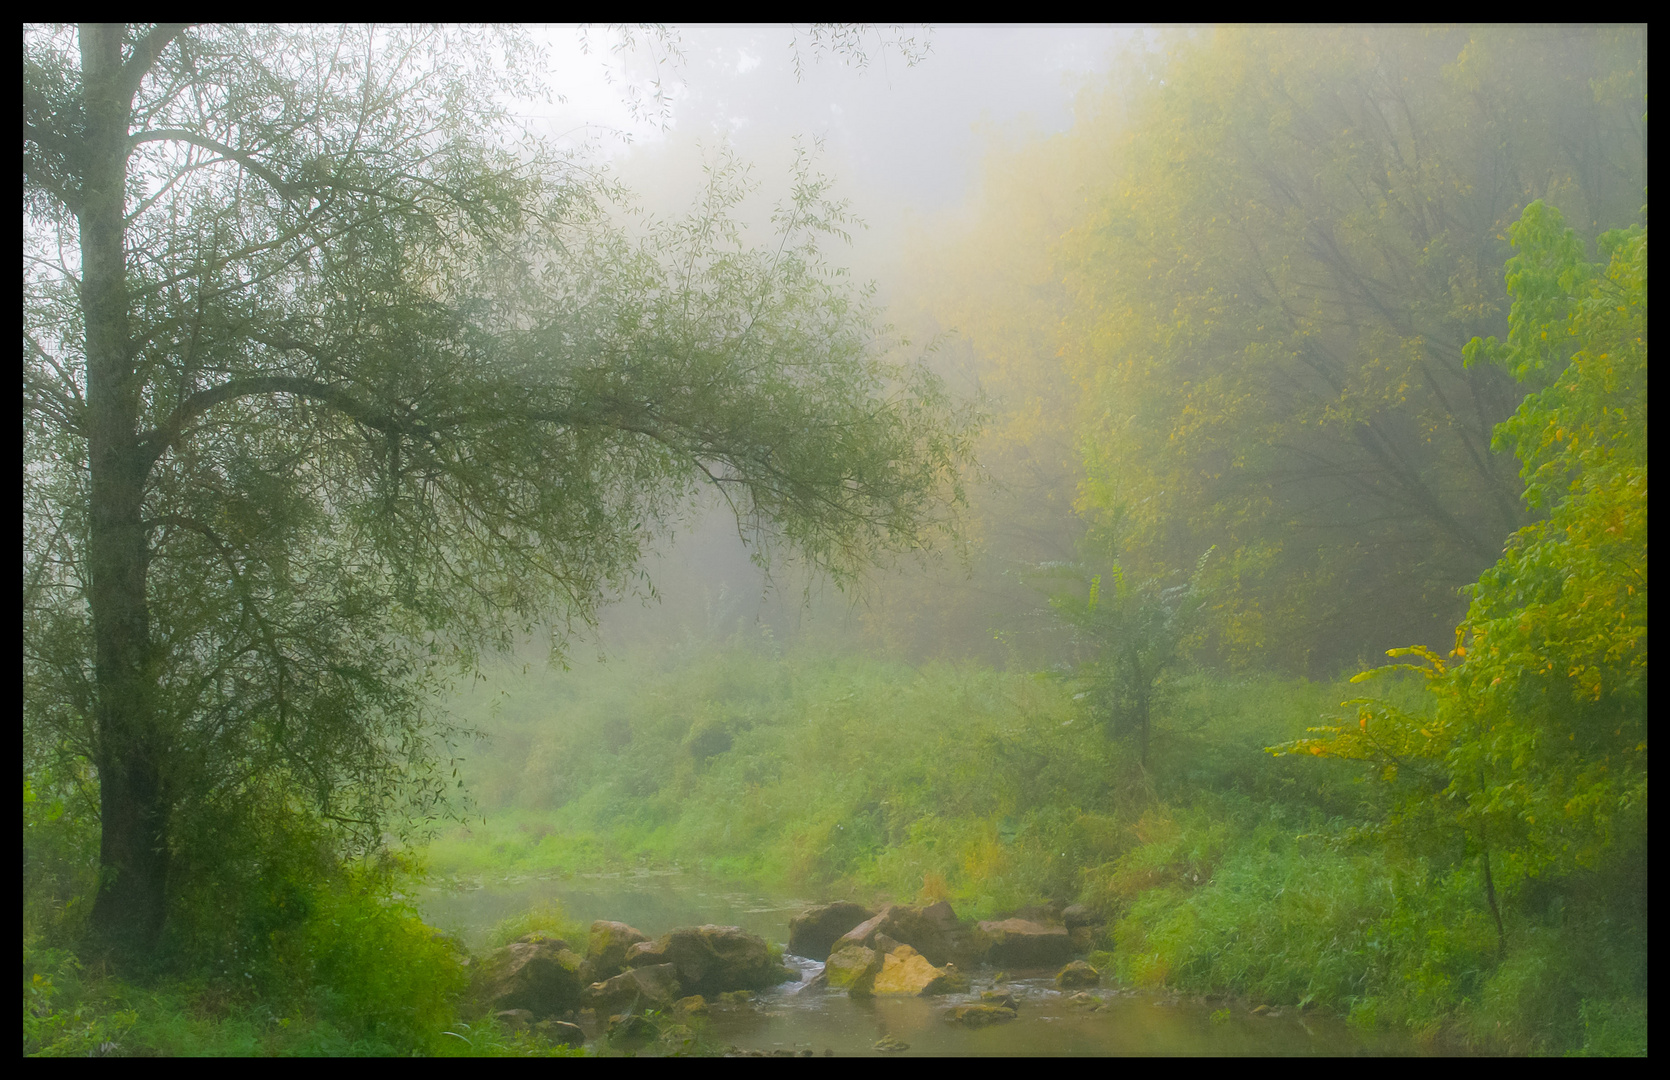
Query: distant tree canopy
1294, 234
328, 387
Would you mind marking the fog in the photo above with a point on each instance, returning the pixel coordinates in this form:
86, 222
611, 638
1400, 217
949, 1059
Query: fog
904, 143
976, 477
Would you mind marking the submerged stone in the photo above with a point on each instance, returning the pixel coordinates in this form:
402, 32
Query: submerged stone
980, 1015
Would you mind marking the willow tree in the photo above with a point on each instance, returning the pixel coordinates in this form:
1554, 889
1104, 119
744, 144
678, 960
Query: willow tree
329, 387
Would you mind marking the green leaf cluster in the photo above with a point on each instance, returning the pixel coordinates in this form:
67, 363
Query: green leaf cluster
1534, 742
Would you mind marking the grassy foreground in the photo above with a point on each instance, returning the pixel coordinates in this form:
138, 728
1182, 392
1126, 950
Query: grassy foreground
1221, 869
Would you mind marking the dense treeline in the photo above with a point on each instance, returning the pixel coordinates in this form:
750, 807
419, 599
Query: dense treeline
1228, 309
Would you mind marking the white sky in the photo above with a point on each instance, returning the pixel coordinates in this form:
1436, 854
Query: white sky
903, 142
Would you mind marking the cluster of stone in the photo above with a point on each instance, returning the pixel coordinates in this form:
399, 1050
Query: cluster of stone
900, 950
539, 977
923, 951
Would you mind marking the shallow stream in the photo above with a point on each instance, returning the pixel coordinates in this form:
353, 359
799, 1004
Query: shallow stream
794, 1018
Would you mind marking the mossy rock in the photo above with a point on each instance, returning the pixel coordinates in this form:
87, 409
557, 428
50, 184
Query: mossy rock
1077, 976
981, 1015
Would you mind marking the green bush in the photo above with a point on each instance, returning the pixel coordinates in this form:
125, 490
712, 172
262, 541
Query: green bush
548, 918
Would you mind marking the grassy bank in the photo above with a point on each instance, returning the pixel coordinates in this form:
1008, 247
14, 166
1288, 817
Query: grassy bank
1220, 868
352, 973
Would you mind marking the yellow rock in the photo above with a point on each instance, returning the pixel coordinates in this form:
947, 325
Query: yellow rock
905, 972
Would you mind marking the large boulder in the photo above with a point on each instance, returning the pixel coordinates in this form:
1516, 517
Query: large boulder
537, 972
1022, 943
864, 934
606, 953
712, 959
815, 930
654, 986
853, 969
934, 931
906, 972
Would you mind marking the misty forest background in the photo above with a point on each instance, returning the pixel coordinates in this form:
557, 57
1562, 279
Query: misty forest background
1297, 348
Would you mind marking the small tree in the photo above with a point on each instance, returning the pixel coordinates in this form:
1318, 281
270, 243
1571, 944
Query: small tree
1132, 636
1535, 748
329, 386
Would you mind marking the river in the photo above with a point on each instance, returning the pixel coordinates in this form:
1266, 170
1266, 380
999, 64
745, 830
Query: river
794, 1018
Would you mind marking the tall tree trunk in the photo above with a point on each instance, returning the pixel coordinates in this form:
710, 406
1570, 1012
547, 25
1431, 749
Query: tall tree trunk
131, 904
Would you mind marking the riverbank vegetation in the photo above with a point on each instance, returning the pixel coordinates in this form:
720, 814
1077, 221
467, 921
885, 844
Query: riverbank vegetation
1309, 347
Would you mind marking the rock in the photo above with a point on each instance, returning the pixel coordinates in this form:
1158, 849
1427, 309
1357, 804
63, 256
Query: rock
654, 986
1083, 1000
712, 959
889, 1043
853, 969
951, 981
864, 934
1077, 915
561, 1032
1019, 943
906, 972
538, 973
980, 1015
1001, 998
813, 932
632, 1031
606, 951
1082, 937
1077, 976
514, 1018
933, 931
694, 1005
936, 933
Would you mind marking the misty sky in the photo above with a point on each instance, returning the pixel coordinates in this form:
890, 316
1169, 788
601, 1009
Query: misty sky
903, 142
